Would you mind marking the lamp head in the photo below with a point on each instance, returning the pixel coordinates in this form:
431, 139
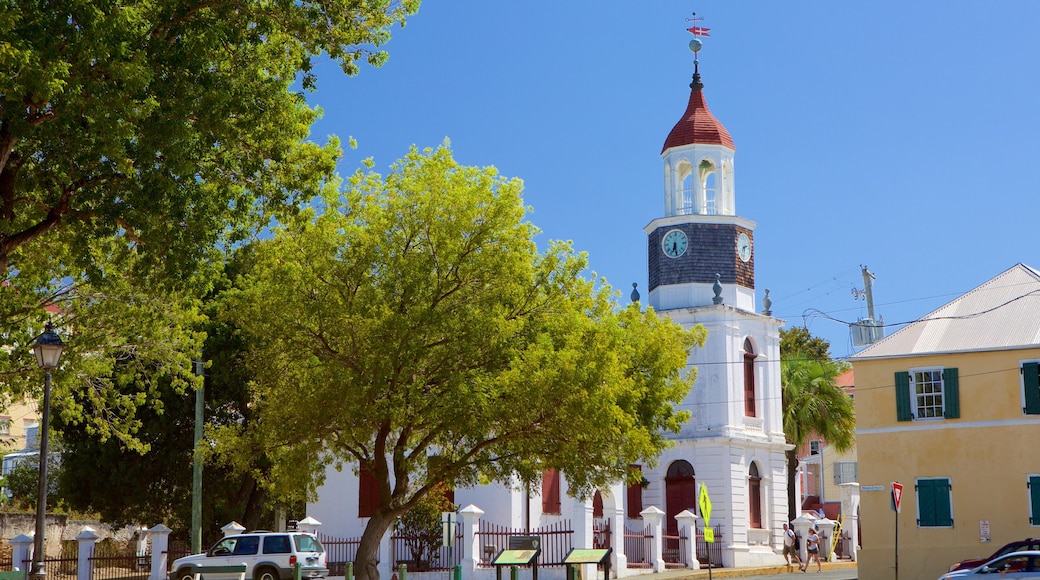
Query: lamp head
48, 348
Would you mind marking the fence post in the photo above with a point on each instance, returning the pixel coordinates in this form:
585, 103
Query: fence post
385, 565
20, 545
86, 540
232, 529
471, 549
159, 537
653, 516
308, 525
688, 527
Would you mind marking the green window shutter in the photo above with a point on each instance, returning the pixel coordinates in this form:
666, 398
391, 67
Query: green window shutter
933, 503
1031, 382
1034, 499
903, 396
943, 511
925, 503
951, 394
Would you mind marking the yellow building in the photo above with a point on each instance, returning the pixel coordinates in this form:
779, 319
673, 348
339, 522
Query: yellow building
949, 407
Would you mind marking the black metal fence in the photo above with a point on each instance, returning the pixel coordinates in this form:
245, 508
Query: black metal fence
710, 552
555, 540
339, 551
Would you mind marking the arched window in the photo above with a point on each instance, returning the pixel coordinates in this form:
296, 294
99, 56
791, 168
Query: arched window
707, 175
680, 493
749, 379
755, 496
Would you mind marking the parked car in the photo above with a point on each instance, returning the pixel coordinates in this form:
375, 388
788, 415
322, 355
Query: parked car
267, 556
1017, 546
1021, 564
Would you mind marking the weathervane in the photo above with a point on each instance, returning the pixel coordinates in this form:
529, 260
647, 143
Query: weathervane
695, 47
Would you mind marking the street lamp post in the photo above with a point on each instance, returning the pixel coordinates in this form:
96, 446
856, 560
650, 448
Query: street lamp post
47, 349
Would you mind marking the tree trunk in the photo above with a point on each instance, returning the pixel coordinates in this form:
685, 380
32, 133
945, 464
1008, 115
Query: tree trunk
368, 550
793, 510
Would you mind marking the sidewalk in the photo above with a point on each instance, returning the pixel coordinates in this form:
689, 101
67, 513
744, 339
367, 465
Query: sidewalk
831, 571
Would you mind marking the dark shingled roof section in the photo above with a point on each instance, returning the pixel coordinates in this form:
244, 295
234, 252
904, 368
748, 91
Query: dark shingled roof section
698, 125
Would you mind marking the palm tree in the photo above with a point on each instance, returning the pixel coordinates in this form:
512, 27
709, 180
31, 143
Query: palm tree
813, 403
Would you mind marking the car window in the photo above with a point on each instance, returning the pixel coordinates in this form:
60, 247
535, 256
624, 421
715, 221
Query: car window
225, 546
306, 543
277, 545
247, 546
1007, 564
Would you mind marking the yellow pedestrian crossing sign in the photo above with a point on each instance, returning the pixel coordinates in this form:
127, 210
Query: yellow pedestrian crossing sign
704, 502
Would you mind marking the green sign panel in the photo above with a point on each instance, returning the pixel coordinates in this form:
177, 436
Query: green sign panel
516, 557
581, 556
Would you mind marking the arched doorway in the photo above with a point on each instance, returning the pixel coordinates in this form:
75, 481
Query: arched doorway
680, 493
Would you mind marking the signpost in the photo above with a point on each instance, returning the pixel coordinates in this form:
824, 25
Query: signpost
897, 498
704, 502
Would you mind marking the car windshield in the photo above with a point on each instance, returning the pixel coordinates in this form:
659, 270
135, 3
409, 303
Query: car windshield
306, 543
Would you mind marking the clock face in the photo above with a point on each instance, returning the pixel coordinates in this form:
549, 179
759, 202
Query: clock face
744, 247
674, 243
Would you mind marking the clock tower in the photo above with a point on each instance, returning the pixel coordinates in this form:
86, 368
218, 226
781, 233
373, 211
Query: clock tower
701, 271
700, 239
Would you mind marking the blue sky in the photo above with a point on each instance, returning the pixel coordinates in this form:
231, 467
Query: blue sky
902, 136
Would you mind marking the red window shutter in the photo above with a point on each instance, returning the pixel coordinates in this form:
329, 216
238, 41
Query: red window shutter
635, 494
368, 493
551, 492
749, 385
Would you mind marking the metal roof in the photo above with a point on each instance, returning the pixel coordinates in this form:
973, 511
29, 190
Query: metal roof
1001, 314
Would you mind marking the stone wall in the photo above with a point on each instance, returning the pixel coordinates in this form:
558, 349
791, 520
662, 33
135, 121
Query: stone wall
60, 528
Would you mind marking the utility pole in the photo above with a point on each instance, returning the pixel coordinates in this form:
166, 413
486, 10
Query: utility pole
196, 473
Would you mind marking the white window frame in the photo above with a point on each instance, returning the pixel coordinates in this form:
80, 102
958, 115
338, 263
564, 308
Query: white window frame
818, 444
5, 425
915, 407
1029, 500
1022, 383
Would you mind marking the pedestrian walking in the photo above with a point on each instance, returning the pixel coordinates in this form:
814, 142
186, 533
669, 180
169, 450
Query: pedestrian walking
812, 548
791, 548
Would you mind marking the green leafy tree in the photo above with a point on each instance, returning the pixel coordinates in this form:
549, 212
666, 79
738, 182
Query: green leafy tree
137, 139
415, 330
151, 480
23, 482
813, 403
423, 529
169, 125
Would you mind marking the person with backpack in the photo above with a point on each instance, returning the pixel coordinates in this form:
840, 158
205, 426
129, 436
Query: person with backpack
791, 548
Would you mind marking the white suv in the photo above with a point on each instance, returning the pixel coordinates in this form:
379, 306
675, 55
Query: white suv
267, 556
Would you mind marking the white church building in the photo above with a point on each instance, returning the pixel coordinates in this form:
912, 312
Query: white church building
701, 270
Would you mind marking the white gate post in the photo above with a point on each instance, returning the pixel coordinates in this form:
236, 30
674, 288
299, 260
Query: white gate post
159, 536
688, 527
386, 567
653, 516
233, 529
471, 550
20, 545
86, 540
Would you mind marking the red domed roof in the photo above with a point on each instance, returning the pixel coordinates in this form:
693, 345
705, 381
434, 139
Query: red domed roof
697, 125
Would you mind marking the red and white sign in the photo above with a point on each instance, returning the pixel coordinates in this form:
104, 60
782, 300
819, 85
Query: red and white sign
897, 495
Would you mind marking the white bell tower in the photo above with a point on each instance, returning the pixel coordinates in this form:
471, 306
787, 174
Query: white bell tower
701, 270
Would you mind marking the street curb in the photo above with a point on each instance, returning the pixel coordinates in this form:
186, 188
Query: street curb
744, 572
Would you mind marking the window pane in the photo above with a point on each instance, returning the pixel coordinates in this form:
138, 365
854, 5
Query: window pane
277, 545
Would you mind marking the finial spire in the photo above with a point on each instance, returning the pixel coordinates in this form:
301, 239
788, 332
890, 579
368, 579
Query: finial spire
695, 47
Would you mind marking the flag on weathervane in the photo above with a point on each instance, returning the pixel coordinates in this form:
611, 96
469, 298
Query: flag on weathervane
697, 30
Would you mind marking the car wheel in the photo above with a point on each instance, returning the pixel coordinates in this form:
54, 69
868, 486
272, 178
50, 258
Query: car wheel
266, 573
185, 574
